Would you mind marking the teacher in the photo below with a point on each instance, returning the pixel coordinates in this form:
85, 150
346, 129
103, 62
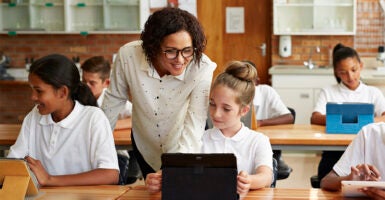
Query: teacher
167, 78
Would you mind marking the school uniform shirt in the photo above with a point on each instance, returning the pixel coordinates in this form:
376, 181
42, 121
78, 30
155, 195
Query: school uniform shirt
169, 112
81, 142
367, 147
340, 93
127, 110
252, 149
267, 103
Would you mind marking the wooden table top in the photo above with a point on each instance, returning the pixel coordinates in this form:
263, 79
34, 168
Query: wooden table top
99, 192
304, 134
140, 192
9, 133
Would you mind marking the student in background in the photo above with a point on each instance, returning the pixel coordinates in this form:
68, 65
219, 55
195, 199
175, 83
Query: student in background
66, 139
96, 74
362, 161
347, 69
270, 110
231, 95
168, 79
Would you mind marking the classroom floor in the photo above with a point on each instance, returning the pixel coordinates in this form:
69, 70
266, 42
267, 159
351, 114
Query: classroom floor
304, 166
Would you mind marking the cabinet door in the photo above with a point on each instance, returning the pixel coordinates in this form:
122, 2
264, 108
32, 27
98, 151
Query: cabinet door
299, 99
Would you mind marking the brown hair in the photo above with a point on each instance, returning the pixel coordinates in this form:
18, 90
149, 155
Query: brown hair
97, 64
240, 77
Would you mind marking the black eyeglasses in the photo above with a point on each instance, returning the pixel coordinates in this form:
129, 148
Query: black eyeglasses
174, 53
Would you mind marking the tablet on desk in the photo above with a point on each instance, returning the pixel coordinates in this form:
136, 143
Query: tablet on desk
199, 176
351, 188
10, 167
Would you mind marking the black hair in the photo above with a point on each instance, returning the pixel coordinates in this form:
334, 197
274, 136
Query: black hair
168, 21
58, 71
341, 52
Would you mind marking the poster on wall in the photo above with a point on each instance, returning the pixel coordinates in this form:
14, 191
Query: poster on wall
235, 20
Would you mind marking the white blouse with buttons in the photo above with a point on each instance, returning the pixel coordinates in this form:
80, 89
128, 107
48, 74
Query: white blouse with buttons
168, 113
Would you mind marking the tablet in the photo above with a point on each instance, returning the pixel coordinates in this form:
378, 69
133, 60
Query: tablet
18, 167
199, 176
351, 188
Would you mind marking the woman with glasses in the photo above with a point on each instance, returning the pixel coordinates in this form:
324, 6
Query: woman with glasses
168, 80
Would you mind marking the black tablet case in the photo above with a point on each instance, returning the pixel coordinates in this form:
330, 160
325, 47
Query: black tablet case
199, 176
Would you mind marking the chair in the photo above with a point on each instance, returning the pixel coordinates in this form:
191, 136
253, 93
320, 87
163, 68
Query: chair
292, 113
275, 173
315, 182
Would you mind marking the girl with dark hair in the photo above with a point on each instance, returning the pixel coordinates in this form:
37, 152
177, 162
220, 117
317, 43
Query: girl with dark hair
66, 139
349, 88
168, 80
230, 98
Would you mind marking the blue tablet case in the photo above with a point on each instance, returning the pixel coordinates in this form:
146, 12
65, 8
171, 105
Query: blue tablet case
348, 117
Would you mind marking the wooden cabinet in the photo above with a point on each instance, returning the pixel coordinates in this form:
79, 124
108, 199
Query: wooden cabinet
73, 16
299, 88
314, 17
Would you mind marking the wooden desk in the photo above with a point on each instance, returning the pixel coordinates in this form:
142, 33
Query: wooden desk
100, 192
283, 137
139, 192
9, 133
305, 137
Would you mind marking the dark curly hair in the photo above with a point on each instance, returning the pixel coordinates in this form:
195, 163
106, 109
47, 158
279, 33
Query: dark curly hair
168, 21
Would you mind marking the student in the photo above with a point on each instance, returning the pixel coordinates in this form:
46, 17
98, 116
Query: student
270, 110
168, 79
230, 98
96, 74
65, 139
362, 160
347, 69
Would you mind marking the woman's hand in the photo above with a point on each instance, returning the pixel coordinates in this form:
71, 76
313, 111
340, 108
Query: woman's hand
243, 183
364, 172
154, 182
38, 169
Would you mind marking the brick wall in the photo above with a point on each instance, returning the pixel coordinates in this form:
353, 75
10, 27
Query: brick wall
15, 100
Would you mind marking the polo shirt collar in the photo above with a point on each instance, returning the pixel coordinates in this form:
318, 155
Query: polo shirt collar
217, 135
346, 89
67, 122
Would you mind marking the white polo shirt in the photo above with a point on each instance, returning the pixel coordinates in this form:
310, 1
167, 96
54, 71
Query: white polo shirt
267, 103
81, 142
251, 148
367, 147
340, 93
168, 113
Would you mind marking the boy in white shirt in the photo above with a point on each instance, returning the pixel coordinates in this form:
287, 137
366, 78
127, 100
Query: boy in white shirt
96, 74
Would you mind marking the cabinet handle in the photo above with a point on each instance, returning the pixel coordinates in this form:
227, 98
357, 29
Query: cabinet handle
304, 96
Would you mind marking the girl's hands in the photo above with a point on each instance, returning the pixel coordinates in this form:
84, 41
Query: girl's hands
243, 183
154, 182
37, 168
375, 193
364, 172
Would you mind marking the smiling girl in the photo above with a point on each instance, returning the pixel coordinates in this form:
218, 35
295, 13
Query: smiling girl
65, 139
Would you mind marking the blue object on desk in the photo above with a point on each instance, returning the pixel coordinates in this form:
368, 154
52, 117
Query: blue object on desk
348, 117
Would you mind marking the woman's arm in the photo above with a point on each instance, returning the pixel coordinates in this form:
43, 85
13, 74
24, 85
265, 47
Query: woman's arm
93, 177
